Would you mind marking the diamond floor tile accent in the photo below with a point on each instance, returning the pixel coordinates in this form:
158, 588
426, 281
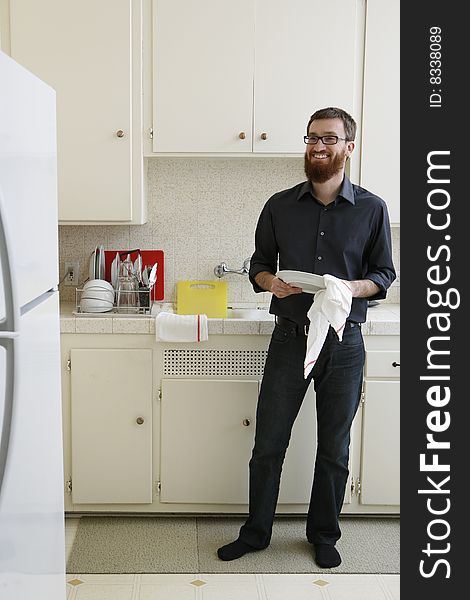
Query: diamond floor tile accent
198, 582
75, 582
321, 582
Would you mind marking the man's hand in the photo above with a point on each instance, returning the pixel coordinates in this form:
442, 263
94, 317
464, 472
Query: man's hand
276, 286
281, 289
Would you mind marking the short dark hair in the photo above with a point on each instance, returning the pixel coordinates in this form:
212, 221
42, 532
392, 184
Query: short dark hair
336, 113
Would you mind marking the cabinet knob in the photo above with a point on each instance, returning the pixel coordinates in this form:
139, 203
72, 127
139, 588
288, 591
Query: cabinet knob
246, 422
242, 135
395, 364
120, 133
139, 420
264, 136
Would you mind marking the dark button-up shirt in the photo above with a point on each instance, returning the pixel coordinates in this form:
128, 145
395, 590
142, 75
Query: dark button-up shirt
349, 238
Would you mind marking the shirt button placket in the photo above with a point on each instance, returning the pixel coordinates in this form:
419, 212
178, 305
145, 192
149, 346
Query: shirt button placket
322, 233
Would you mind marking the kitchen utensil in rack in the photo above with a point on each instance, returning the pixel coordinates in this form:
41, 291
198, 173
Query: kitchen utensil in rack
149, 257
128, 287
138, 267
145, 276
153, 275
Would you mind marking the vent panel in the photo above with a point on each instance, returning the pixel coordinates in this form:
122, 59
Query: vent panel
219, 363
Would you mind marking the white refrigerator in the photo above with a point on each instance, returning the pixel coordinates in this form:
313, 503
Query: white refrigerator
32, 544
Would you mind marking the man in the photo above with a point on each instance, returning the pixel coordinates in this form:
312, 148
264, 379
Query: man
323, 225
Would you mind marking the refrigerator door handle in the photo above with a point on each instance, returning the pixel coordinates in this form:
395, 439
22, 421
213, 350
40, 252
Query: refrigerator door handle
6, 417
8, 333
12, 310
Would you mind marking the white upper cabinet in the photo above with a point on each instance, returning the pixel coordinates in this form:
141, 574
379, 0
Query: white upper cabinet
380, 164
305, 55
203, 75
89, 52
245, 76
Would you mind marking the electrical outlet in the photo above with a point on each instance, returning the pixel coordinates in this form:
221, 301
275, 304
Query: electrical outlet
72, 270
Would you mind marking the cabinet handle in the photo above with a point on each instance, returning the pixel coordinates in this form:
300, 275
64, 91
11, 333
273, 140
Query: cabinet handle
139, 420
264, 136
395, 364
246, 422
242, 135
120, 133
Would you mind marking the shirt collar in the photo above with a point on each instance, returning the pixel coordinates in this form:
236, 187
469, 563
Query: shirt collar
346, 190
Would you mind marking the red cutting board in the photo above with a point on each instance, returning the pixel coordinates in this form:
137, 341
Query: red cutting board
149, 258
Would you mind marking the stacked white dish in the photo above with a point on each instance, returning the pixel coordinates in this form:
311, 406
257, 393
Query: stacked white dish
97, 296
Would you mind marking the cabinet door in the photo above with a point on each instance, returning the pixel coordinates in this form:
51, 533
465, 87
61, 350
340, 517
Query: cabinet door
380, 164
205, 445
305, 59
83, 50
203, 75
111, 416
380, 471
297, 471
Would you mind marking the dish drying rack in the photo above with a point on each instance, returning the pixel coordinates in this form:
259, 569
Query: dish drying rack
144, 309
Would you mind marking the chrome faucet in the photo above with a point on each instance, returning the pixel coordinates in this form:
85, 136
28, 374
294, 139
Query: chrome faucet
222, 269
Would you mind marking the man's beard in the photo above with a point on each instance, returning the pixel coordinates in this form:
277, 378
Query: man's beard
322, 171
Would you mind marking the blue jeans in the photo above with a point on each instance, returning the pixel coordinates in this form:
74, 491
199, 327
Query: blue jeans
337, 377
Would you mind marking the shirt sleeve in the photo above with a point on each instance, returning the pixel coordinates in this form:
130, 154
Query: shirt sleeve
380, 267
266, 250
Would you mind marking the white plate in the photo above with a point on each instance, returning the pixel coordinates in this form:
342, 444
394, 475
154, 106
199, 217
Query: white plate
115, 271
309, 282
101, 266
91, 270
96, 256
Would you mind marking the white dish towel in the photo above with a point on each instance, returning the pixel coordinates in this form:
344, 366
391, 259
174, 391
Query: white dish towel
331, 306
181, 328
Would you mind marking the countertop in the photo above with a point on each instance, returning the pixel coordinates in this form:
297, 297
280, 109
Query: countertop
383, 319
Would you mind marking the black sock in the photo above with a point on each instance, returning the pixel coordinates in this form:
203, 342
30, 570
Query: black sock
327, 556
234, 550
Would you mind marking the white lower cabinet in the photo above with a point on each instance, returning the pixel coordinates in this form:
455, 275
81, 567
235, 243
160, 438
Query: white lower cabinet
380, 460
151, 427
206, 439
111, 425
207, 435
380, 468
297, 471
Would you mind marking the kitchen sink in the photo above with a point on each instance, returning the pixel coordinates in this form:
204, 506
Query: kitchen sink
254, 314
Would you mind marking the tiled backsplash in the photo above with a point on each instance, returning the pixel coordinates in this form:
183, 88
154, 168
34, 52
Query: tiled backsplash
202, 211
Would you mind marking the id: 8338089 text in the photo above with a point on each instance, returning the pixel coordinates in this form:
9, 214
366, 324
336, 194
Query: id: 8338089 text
435, 67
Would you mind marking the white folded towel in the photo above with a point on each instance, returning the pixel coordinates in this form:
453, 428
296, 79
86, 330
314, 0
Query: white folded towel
181, 328
331, 306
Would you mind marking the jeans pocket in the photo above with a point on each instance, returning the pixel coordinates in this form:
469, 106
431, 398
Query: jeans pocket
279, 335
352, 336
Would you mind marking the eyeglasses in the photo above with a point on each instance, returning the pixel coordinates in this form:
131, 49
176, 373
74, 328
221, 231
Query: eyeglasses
328, 140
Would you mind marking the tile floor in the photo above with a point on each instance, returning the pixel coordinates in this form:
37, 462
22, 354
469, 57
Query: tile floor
198, 586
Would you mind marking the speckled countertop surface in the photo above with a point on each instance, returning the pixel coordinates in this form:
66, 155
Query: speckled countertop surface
383, 319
